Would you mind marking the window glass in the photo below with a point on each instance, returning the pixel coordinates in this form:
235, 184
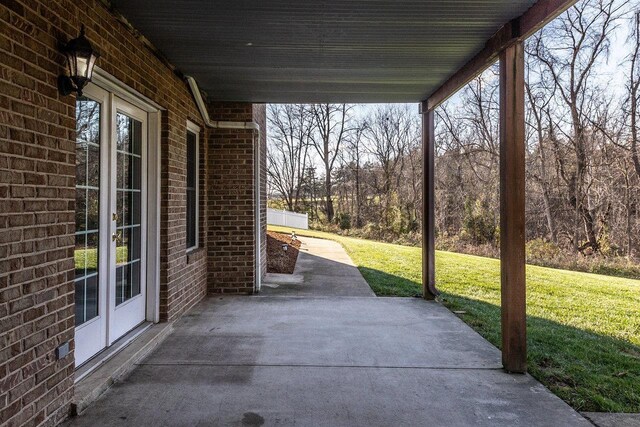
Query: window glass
128, 205
192, 176
87, 208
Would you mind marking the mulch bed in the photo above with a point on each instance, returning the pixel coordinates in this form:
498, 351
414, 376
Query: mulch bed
279, 260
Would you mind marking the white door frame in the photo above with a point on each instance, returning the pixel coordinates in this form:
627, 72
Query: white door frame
102, 82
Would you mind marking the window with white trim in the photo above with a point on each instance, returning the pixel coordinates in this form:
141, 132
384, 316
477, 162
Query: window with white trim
192, 185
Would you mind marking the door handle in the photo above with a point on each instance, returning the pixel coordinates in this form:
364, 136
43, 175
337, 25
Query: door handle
114, 216
114, 237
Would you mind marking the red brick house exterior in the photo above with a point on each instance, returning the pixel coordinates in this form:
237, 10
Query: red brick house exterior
38, 198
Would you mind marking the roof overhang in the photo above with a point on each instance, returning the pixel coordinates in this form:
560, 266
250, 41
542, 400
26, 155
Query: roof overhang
334, 50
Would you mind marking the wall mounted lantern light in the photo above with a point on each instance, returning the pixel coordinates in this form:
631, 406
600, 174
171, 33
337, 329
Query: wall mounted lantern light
81, 57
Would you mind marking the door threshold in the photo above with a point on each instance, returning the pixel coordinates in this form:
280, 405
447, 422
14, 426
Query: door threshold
95, 377
103, 357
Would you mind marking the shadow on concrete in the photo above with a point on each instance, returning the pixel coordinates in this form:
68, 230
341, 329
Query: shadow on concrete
571, 361
326, 361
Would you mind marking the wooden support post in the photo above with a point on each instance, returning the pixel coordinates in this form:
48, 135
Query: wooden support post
429, 290
512, 209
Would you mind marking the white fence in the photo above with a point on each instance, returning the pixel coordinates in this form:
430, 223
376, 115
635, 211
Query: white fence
287, 219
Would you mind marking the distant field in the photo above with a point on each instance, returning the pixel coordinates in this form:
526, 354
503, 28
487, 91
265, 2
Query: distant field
583, 329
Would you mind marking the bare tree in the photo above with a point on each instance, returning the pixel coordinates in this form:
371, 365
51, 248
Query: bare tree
570, 48
633, 87
289, 129
387, 137
331, 125
540, 94
353, 161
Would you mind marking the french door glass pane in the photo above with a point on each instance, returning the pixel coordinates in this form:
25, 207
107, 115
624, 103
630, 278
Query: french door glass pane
87, 208
128, 199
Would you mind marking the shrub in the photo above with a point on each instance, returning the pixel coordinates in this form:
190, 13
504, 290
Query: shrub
479, 223
607, 247
541, 250
343, 220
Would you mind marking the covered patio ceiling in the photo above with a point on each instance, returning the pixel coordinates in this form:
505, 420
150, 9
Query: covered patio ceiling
320, 50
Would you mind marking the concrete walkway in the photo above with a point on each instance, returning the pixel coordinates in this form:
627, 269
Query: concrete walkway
325, 361
323, 269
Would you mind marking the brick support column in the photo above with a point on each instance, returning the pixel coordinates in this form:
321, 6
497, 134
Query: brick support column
231, 216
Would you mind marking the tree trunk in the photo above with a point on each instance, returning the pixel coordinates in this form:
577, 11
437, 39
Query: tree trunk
634, 128
548, 213
633, 98
358, 201
328, 200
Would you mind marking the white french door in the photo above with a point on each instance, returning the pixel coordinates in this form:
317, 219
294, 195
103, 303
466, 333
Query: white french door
127, 270
110, 250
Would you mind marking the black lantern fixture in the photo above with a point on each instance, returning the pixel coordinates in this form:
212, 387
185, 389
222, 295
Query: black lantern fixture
81, 57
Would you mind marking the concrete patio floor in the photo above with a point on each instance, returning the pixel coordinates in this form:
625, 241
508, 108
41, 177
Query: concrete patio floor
283, 359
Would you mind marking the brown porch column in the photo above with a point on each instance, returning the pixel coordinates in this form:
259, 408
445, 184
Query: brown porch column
512, 200
429, 290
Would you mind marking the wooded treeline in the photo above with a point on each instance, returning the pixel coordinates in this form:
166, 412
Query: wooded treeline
359, 167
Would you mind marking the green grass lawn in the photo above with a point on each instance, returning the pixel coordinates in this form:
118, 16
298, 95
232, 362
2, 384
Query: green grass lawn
583, 329
90, 257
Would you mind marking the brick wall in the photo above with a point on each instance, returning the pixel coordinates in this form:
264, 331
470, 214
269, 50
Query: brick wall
37, 221
230, 237
183, 276
37, 195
